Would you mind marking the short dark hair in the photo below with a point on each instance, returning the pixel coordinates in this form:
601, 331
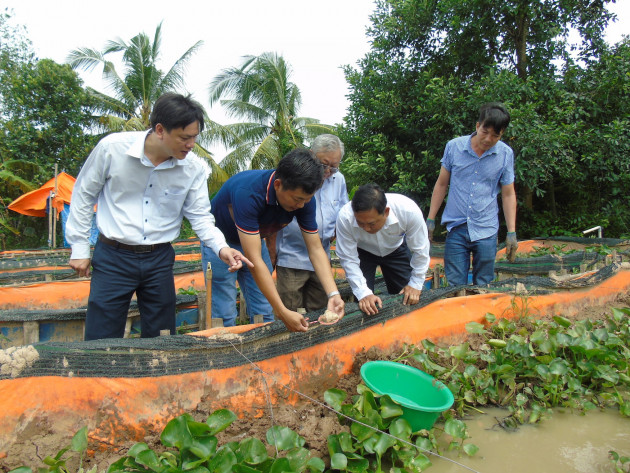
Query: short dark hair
176, 111
495, 115
300, 168
368, 197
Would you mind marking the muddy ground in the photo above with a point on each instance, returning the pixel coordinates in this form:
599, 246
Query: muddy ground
310, 419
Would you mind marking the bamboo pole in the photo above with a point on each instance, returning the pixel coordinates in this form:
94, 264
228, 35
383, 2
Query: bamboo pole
54, 210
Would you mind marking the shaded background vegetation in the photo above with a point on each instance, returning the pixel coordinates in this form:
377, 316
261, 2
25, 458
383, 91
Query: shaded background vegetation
432, 63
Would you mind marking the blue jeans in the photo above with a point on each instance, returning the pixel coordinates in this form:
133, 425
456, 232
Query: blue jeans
224, 287
457, 253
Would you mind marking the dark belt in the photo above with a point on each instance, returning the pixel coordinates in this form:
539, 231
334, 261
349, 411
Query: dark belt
134, 248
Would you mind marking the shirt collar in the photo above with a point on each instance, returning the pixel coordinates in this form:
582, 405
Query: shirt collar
136, 150
492, 150
271, 190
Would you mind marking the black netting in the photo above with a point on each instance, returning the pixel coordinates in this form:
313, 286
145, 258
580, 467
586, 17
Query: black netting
184, 353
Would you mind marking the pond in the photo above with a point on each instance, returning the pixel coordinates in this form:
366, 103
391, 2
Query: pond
567, 442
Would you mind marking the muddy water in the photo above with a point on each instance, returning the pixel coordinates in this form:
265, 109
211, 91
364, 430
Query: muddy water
565, 443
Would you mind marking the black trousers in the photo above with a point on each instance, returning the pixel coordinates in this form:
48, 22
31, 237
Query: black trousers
396, 267
116, 275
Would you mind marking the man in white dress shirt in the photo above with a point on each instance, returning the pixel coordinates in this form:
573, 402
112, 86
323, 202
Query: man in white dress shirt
386, 230
143, 183
297, 283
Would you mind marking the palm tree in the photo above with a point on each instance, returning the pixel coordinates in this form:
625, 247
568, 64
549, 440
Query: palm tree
260, 92
142, 83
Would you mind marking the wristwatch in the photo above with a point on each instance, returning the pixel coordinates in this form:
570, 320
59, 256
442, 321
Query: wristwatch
333, 294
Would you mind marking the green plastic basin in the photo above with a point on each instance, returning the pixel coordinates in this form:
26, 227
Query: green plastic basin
422, 397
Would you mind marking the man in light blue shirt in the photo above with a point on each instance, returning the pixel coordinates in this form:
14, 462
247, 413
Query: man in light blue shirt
297, 283
474, 170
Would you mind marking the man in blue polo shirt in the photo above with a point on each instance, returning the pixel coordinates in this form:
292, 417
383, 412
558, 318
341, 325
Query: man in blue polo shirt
253, 205
297, 283
474, 170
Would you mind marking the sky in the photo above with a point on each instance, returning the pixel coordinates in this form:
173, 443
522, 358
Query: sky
315, 38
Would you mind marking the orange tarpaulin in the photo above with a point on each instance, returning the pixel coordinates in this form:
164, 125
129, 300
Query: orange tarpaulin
35, 203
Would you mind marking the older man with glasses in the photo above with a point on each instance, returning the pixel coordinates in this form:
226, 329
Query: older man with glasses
297, 283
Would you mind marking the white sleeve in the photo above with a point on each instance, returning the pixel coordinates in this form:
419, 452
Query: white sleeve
349, 256
197, 210
85, 194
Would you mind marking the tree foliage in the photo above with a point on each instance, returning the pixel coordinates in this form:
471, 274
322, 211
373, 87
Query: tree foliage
44, 119
260, 93
140, 85
434, 62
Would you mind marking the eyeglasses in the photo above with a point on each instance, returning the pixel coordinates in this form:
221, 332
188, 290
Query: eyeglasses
330, 169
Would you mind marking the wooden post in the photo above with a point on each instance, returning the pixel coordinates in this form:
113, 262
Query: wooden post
242, 312
436, 277
208, 314
50, 219
54, 211
31, 332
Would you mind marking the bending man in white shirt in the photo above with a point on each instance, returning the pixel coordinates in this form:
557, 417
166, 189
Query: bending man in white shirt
144, 184
386, 230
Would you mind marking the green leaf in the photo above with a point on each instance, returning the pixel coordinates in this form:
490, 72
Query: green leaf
558, 367
137, 448
335, 397
149, 459
459, 351
401, 429
253, 451
298, 458
361, 432
455, 428
219, 420
80, 441
176, 433
358, 464
240, 468
389, 408
475, 327
346, 442
284, 438
334, 445
204, 447
491, 318
420, 463
22, 469
497, 343
338, 461
383, 443
316, 465
280, 465
608, 373
562, 321
223, 461
471, 449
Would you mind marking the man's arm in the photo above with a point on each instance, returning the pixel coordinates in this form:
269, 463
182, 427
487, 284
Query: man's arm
418, 243
86, 190
508, 197
349, 257
321, 265
252, 246
439, 193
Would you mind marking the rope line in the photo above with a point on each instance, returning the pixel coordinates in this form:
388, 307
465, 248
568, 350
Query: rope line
263, 373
